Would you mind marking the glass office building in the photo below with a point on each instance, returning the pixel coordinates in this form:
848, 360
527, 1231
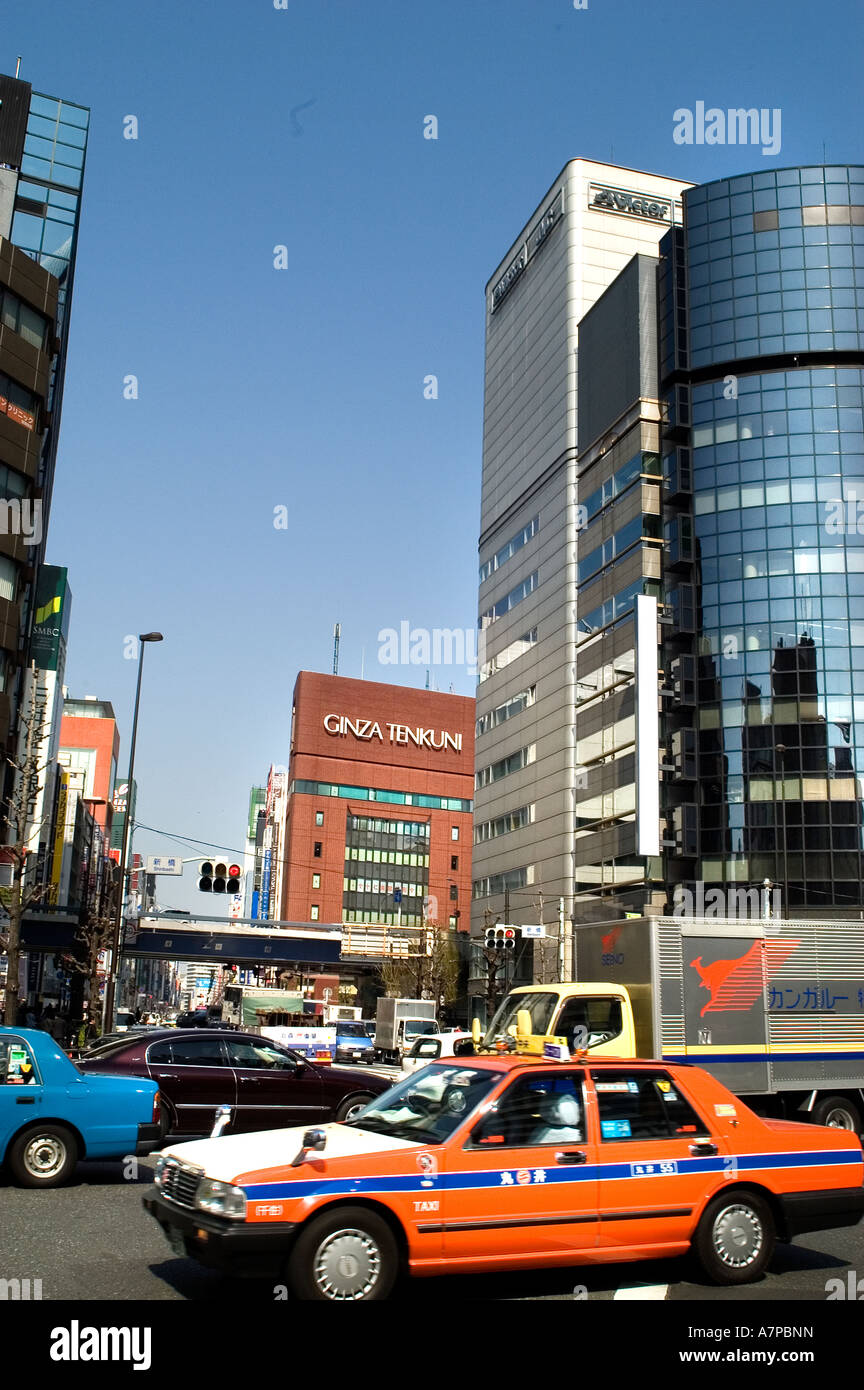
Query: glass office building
761, 316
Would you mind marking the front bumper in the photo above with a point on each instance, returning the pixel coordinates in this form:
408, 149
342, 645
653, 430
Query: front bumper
820, 1211
149, 1138
233, 1247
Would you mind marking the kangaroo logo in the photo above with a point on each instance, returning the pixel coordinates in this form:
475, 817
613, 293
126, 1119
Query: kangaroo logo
734, 985
609, 940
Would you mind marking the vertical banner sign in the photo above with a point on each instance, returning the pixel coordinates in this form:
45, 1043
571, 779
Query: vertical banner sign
647, 728
265, 885
59, 838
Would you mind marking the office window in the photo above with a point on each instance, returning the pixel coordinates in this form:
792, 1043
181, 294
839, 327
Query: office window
316, 880
313, 912
8, 576
454, 832
319, 817
317, 849
454, 893
454, 862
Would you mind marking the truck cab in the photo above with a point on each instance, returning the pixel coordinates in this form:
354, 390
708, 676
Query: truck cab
586, 1015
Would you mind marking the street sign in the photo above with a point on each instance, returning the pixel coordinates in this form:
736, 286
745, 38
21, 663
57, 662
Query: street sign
534, 931
397, 895
161, 864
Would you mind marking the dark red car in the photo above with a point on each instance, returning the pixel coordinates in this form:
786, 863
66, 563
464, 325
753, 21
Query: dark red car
266, 1085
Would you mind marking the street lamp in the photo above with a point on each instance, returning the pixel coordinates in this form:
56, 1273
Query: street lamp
111, 984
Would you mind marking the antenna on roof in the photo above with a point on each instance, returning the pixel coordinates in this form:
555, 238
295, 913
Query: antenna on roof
17, 67
336, 634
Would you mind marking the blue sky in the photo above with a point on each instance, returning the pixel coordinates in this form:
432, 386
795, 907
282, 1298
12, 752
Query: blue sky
303, 388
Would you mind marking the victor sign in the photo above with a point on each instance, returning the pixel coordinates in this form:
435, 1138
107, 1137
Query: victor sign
633, 204
404, 734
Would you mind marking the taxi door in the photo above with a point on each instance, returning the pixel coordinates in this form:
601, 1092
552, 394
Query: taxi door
658, 1157
523, 1182
21, 1086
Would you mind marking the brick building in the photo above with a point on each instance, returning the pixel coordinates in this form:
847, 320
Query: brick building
381, 783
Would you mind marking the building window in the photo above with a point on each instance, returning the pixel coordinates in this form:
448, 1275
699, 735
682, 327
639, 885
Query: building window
454, 893
313, 912
454, 922
514, 545
503, 768
509, 601
8, 576
317, 849
316, 880
319, 817
454, 832
515, 705
454, 862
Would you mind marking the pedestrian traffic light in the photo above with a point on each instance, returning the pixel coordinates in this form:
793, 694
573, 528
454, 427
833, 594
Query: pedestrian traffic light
205, 879
501, 938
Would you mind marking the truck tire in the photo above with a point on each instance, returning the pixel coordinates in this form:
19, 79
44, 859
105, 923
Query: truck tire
837, 1113
347, 1255
43, 1155
352, 1106
735, 1238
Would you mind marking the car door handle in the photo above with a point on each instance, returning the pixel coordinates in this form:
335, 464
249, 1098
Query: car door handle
25, 1100
703, 1148
571, 1156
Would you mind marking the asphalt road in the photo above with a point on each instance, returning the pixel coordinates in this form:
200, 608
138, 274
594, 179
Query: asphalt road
93, 1240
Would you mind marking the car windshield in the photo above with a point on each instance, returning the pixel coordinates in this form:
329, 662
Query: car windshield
429, 1104
541, 1008
420, 1027
351, 1030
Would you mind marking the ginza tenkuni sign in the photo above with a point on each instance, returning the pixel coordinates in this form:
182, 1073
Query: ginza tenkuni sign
404, 734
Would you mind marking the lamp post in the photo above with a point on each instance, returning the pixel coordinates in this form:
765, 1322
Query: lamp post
111, 984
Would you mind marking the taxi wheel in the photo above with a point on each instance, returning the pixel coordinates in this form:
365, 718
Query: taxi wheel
349, 1108
735, 1238
43, 1156
346, 1256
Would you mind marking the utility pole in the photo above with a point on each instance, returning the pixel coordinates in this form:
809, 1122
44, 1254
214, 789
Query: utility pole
562, 948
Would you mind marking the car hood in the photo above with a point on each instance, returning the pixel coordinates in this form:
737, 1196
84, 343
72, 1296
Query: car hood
228, 1158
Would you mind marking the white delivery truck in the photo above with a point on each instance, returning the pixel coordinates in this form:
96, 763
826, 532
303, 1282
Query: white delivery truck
398, 1024
774, 1008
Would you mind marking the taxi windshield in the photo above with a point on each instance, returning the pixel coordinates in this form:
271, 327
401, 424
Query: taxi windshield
541, 1008
428, 1105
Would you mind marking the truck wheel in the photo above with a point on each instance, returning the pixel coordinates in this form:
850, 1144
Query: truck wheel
836, 1113
43, 1156
348, 1255
735, 1238
351, 1107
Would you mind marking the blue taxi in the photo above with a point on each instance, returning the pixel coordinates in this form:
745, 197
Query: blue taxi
51, 1114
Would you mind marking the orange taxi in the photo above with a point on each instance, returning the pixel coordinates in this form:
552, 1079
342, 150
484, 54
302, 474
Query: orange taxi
509, 1162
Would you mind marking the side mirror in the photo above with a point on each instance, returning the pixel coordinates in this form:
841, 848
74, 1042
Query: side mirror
314, 1141
464, 1048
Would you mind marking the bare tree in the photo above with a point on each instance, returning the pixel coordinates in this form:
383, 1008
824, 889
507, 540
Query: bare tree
24, 890
432, 972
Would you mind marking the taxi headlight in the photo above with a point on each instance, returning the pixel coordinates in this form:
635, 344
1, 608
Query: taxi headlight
221, 1199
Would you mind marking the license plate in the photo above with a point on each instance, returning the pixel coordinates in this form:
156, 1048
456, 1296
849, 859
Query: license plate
175, 1240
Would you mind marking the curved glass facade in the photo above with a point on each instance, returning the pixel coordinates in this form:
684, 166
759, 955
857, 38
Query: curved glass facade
764, 517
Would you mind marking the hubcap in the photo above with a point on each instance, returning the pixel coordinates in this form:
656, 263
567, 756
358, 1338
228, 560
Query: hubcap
839, 1119
347, 1265
355, 1109
44, 1155
737, 1236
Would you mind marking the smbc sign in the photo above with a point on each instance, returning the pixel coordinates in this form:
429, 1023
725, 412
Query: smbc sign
216, 877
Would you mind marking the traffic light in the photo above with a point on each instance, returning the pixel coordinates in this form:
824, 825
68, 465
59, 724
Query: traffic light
502, 938
218, 877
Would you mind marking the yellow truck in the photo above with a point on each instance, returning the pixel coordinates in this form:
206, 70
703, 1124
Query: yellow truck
774, 1009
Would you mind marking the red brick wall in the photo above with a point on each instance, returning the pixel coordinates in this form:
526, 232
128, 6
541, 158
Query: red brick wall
319, 756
